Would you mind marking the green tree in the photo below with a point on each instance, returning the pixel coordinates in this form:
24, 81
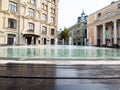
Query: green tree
65, 35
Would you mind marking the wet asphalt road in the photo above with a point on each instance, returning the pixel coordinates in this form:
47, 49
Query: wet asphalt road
59, 77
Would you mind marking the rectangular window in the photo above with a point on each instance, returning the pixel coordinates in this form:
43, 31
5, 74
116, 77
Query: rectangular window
32, 1
52, 10
12, 23
119, 6
52, 31
31, 12
44, 17
52, 20
12, 6
99, 14
44, 7
53, 1
44, 30
30, 26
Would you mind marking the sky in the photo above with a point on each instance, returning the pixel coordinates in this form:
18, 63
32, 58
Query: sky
69, 10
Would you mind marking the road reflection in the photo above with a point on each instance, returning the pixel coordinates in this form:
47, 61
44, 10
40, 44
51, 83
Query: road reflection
59, 77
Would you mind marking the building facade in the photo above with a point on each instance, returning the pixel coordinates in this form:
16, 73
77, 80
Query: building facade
103, 27
28, 22
78, 32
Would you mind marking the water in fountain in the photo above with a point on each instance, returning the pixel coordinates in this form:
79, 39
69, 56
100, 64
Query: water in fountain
56, 41
25, 41
90, 42
59, 51
70, 41
14, 42
85, 42
32, 41
63, 41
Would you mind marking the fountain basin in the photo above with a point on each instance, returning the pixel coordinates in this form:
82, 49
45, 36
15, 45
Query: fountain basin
59, 52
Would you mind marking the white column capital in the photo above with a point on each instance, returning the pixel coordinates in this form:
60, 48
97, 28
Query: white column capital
114, 21
103, 24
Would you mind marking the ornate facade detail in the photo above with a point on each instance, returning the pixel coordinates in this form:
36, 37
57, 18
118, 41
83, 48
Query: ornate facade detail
108, 15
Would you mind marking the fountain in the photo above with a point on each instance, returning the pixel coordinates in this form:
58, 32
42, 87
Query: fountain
25, 41
32, 41
14, 41
63, 41
58, 52
70, 40
90, 41
85, 40
56, 41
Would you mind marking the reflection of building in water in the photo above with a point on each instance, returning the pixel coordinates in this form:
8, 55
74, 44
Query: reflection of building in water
78, 31
31, 20
104, 26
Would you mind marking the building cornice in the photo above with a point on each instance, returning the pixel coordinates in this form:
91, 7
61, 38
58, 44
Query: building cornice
105, 7
108, 14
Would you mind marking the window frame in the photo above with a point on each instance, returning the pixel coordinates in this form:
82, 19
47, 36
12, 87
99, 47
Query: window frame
12, 23
31, 12
44, 30
52, 20
52, 31
12, 6
118, 5
44, 17
30, 26
32, 1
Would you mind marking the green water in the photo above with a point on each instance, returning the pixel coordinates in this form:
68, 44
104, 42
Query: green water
67, 52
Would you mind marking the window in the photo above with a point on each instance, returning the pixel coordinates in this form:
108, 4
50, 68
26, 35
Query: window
44, 30
12, 23
32, 1
52, 20
52, 31
12, 6
44, 7
99, 14
44, 17
53, 1
119, 6
52, 10
30, 26
31, 12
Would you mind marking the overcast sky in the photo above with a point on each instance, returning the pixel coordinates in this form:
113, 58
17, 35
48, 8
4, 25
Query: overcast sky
69, 10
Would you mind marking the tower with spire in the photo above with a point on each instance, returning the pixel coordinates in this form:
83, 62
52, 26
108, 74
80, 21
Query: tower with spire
83, 17
78, 31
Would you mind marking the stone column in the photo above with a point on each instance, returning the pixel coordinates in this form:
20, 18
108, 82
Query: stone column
104, 43
110, 36
115, 33
87, 36
95, 36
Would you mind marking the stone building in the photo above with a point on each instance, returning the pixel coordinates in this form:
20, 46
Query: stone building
28, 22
78, 32
103, 27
